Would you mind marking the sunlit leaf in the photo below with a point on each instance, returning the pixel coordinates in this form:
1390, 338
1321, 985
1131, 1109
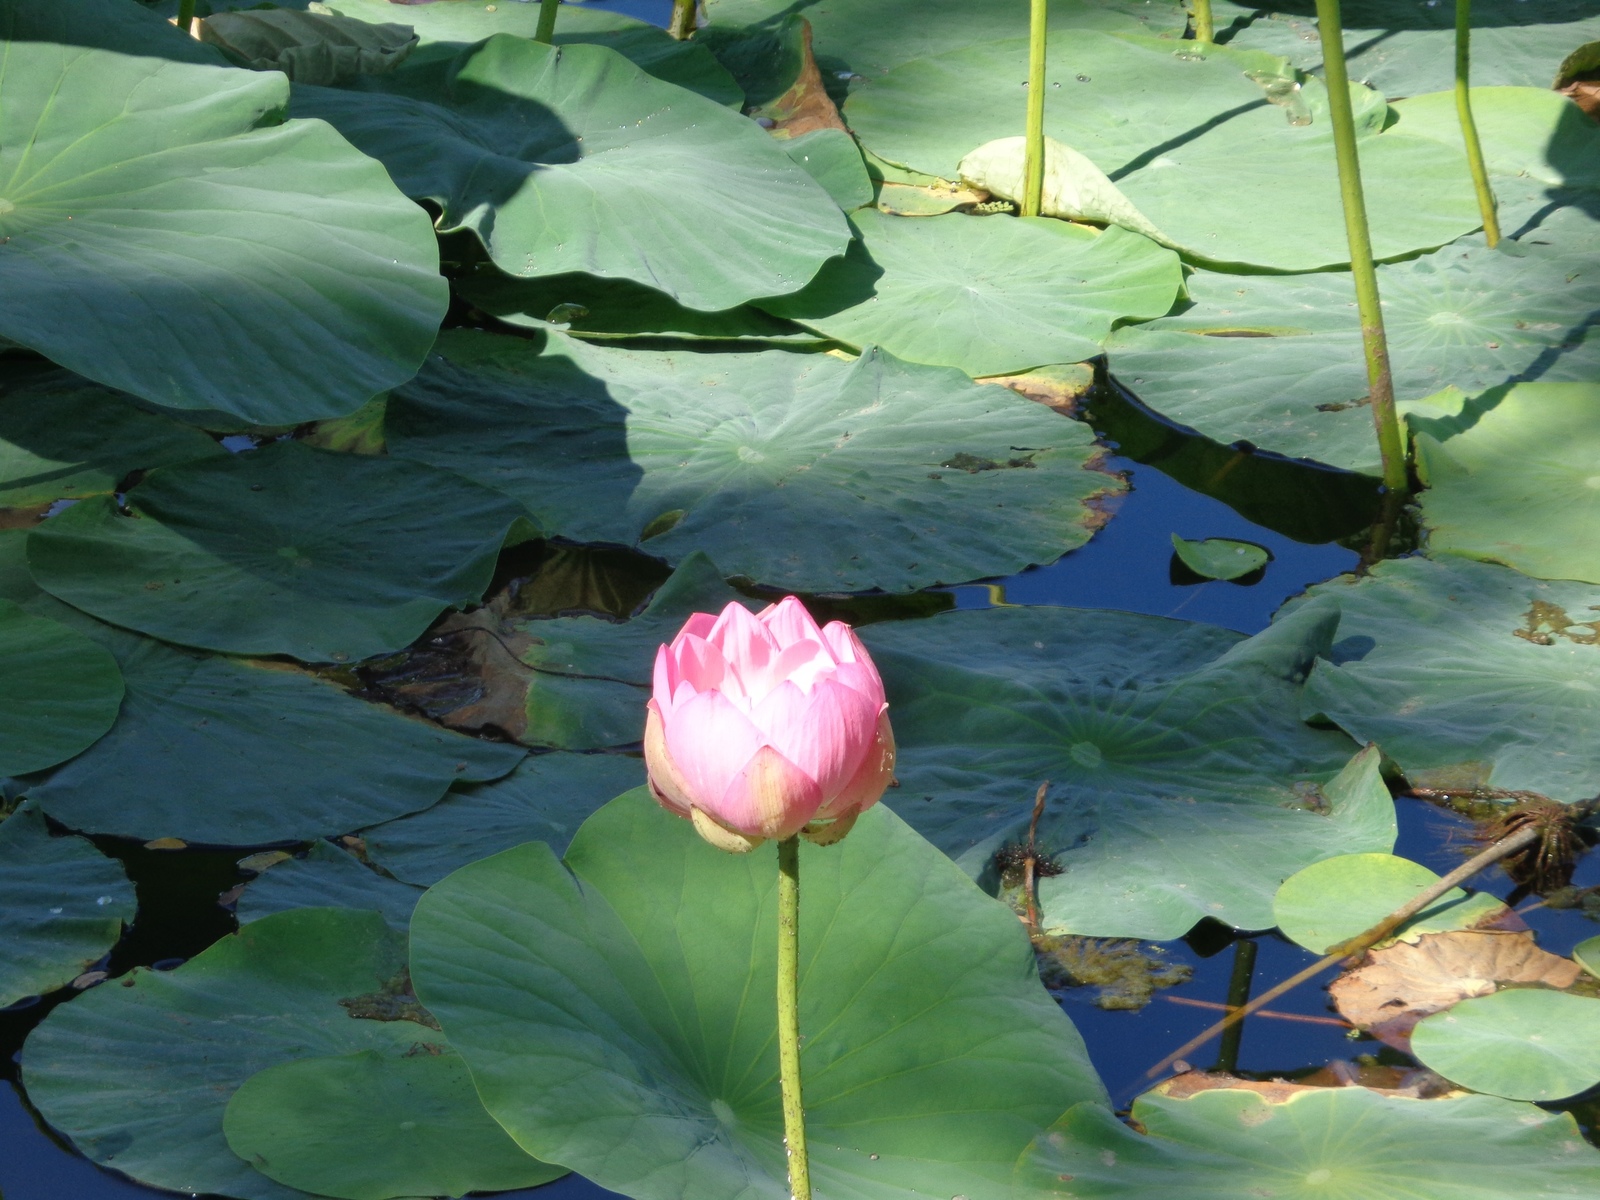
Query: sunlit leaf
1524, 1043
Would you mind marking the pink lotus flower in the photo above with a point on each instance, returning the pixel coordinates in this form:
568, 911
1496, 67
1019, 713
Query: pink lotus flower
764, 726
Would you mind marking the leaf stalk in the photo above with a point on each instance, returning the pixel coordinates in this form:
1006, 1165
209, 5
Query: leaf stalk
1469, 127
1380, 379
547, 21
1033, 154
1204, 28
794, 1114
681, 24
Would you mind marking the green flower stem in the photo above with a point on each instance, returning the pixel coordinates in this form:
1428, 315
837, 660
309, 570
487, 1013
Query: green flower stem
1204, 30
1469, 127
185, 14
1380, 381
683, 19
1244, 967
794, 1112
547, 21
1033, 162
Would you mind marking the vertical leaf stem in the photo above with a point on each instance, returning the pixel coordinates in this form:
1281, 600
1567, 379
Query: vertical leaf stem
186, 16
1244, 968
1380, 381
1204, 30
1469, 127
547, 21
1033, 160
682, 22
794, 1113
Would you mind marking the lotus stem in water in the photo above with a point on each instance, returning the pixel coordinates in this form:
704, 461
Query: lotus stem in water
1033, 160
1380, 381
1469, 127
683, 19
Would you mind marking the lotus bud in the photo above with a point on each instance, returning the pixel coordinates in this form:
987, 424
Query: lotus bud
762, 725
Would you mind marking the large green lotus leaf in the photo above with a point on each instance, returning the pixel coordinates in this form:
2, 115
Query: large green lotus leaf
64, 438
1204, 172
219, 751
446, 27
1344, 1143
373, 1126
802, 471
1339, 898
1220, 558
1539, 148
308, 47
558, 159
989, 295
871, 36
283, 550
833, 159
1404, 49
327, 877
1468, 675
103, 24
1515, 479
62, 906
59, 691
1276, 359
545, 799
138, 1073
615, 1011
162, 233
1524, 1044
590, 307
1182, 779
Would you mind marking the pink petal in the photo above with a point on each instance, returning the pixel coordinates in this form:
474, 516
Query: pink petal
770, 798
847, 647
666, 782
746, 647
789, 622
698, 625
802, 663
700, 662
876, 772
860, 677
710, 741
824, 732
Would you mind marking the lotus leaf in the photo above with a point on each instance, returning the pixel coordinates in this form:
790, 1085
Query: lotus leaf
447, 27
283, 550
1276, 359
64, 438
1587, 955
224, 752
871, 36
801, 471
62, 906
1521, 1043
138, 1073
163, 234
308, 47
1220, 558
1345, 1143
59, 691
590, 307
1182, 780
1468, 675
606, 1006
1405, 49
373, 1126
327, 877
1248, 139
1337, 899
558, 160
545, 799
103, 25
989, 295
1514, 479
832, 158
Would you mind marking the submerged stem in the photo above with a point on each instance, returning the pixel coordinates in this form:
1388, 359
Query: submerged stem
1033, 155
1380, 382
1204, 29
547, 21
1244, 969
794, 1113
1469, 127
682, 22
